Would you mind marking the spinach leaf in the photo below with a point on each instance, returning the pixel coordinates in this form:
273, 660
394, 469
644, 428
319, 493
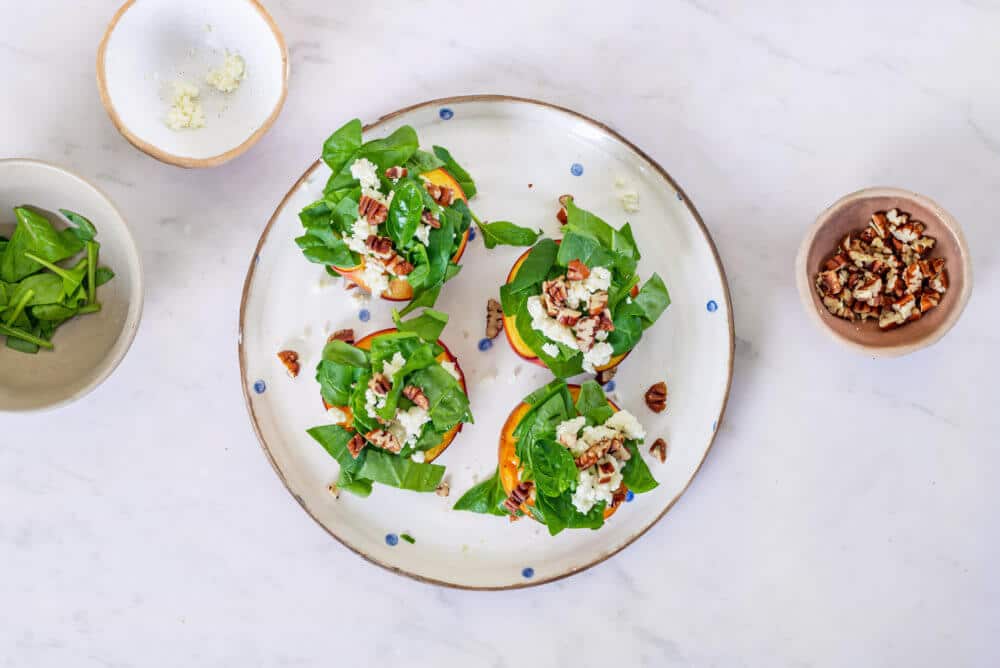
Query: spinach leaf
449, 404
34, 234
558, 513
336, 381
340, 148
82, 228
486, 498
424, 297
393, 150
653, 299
53, 312
592, 404
45, 288
452, 167
530, 274
404, 213
422, 162
395, 471
503, 233
334, 440
635, 473
332, 253
631, 320
551, 466
346, 354
547, 411
428, 325
440, 249
103, 275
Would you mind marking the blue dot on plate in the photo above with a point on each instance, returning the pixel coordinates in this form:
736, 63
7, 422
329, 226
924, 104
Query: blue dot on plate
712, 306
260, 387
610, 386
472, 233
364, 315
391, 539
446, 114
576, 169
528, 572
485, 344
629, 496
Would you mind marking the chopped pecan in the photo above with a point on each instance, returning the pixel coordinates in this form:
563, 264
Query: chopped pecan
619, 451
929, 300
870, 288
879, 225
417, 396
865, 310
604, 321
598, 302
380, 384
381, 247
594, 453
937, 264
396, 173
398, 266
828, 283
913, 278
838, 308
372, 210
561, 215
518, 495
443, 195
585, 330
384, 439
356, 445
939, 282
345, 335
494, 318
604, 376
889, 319
895, 217
659, 449
867, 235
444, 489
428, 219
838, 261
568, 316
556, 292
923, 245
290, 359
908, 232
577, 271
656, 397
905, 306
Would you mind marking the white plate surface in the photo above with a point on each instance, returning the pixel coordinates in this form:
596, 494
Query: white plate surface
506, 144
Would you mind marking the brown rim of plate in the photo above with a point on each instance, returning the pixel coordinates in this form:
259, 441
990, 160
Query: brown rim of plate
865, 337
461, 99
170, 158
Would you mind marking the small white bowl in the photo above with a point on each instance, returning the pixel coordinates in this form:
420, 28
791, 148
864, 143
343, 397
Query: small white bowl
151, 44
88, 348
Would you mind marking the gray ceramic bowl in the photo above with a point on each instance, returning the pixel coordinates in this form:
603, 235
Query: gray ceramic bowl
90, 347
852, 213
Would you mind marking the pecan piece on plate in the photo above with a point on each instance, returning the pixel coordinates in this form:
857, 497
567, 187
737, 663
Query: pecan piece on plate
381, 247
659, 449
384, 439
396, 173
598, 302
518, 495
656, 397
429, 219
577, 271
605, 375
443, 195
417, 396
290, 359
561, 215
345, 335
568, 317
494, 318
398, 266
380, 384
444, 489
356, 445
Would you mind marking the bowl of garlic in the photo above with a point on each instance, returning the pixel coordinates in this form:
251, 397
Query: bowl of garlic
193, 84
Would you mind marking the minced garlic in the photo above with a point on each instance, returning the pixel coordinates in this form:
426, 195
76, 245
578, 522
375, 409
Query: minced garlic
186, 112
227, 77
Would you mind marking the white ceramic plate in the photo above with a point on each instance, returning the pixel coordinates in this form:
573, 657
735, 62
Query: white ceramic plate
88, 348
523, 154
150, 44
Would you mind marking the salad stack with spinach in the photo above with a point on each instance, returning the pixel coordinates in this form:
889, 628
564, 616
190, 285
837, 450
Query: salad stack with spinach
398, 399
576, 305
393, 218
47, 277
568, 457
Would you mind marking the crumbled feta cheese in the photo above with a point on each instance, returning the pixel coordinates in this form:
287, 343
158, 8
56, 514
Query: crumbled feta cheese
373, 402
620, 181
360, 232
577, 294
419, 457
186, 111
590, 491
412, 422
227, 77
390, 367
567, 432
596, 434
597, 356
627, 424
336, 415
601, 336
550, 349
452, 369
423, 234
630, 201
548, 326
374, 277
365, 171
599, 279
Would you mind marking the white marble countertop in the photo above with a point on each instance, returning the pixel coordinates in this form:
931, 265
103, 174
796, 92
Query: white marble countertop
846, 515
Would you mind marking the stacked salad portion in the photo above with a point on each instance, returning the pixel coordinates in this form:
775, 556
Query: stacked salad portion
568, 458
398, 399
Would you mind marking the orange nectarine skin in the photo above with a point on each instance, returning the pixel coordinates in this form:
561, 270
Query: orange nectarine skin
518, 344
510, 465
399, 290
446, 356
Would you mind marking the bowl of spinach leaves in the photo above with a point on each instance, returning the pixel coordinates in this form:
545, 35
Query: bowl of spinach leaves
70, 286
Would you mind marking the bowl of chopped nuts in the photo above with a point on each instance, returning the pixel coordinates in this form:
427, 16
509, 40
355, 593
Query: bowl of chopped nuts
885, 271
192, 83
